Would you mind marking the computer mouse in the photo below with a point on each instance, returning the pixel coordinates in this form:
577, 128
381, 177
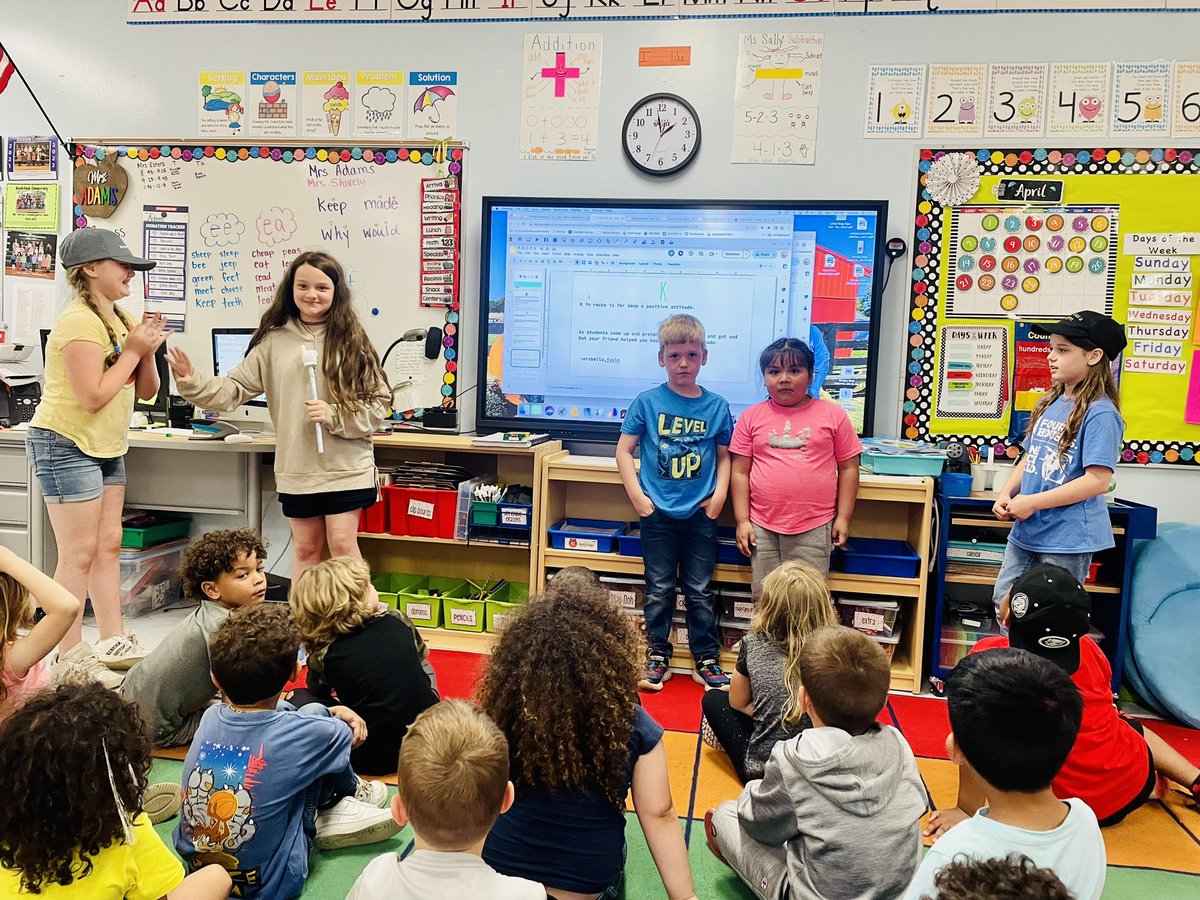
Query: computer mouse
238, 439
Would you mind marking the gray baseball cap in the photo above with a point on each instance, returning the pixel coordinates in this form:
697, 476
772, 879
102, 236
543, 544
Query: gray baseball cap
94, 244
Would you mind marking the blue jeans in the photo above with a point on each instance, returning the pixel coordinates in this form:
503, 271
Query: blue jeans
65, 473
1017, 560
680, 552
327, 790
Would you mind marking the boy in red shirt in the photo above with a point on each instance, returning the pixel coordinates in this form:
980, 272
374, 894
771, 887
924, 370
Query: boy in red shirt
1113, 765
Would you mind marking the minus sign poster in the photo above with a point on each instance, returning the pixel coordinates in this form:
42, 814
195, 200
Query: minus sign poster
972, 372
164, 236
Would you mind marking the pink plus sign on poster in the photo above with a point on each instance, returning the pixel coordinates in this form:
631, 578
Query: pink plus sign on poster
560, 73
560, 96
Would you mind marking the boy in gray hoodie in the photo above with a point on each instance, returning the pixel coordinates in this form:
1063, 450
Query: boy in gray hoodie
837, 811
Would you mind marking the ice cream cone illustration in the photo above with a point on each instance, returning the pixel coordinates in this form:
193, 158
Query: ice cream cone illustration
337, 101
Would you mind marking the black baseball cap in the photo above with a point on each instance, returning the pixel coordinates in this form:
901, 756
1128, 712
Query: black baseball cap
1049, 613
1090, 325
94, 244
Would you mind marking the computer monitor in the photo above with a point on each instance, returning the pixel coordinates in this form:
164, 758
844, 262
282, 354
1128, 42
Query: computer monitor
158, 407
229, 346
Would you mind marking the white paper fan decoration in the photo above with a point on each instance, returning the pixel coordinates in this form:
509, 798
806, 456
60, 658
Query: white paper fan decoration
953, 179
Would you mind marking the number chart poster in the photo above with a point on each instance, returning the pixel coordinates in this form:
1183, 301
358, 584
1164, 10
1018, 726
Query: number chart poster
1137, 233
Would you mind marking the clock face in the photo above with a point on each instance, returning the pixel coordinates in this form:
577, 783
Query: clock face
661, 134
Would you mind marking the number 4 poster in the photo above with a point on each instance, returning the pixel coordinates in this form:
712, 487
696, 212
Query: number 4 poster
1078, 100
955, 99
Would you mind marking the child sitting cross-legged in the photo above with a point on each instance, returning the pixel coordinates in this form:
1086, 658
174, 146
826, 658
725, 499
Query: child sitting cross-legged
172, 687
364, 653
1114, 762
837, 812
452, 783
261, 783
73, 767
1013, 719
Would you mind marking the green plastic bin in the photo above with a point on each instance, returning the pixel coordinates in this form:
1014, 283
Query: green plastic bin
423, 607
390, 584
483, 513
169, 529
505, 601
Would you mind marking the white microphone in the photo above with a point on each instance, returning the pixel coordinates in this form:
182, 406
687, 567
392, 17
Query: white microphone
309, 356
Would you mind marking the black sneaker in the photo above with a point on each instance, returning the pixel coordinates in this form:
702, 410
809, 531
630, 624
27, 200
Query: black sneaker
710, 674
655, 673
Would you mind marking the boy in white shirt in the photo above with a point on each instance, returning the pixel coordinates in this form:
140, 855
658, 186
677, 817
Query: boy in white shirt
1013, 718
452, 784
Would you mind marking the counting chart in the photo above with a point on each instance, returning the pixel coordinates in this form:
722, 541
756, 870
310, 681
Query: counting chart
1032, 262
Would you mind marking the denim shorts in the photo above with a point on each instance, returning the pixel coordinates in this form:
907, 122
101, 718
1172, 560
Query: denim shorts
65, 473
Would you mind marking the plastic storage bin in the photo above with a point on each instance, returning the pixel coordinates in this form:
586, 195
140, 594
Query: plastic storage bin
420, 512
625, 593
483, 512
422, 601
727, 548
593, 535
503, 602
878, 556
461, 614
629, 542
955, 484
981, 552
141, 530
732, 632
901, 464
373, 519
738, 604
390, 584
150, 578
888, 644
870, 616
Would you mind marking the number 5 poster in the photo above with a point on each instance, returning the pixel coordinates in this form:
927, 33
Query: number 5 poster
955, 100
1141, 99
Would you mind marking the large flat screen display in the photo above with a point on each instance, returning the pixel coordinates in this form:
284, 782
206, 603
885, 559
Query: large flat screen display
573, 292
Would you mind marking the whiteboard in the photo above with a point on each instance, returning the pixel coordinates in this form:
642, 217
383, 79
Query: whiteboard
225, 221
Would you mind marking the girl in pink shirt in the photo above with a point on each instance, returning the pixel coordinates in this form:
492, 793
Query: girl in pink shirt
795, 468
23, 669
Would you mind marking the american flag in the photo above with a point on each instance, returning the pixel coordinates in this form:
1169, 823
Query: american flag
6, 70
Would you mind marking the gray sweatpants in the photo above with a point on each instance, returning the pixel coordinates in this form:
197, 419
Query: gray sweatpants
763, 868
772, 548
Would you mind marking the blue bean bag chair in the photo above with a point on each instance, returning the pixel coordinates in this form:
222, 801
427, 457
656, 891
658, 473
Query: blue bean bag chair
1162, 661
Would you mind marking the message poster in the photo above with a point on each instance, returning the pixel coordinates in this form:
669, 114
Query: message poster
895, 101
1078, 101
560, 101
972, 379
955, 96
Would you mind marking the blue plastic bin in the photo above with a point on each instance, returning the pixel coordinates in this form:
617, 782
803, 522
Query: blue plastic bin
592, 535
629, 543
727, 548
878, 556
955, 484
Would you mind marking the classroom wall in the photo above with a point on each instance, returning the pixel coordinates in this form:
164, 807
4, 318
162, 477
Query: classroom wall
98, 77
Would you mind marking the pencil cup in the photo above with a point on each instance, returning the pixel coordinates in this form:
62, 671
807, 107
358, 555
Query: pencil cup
979, 478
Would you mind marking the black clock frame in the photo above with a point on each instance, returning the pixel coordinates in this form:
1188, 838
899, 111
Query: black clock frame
674, 170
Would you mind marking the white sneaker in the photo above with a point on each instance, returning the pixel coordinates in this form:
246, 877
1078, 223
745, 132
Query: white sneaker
79, 665
351, 822
121, 651
372, 793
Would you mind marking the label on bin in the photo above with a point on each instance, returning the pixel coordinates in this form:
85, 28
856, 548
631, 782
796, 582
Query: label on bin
420, 509
467, 617
625, 599
576, 543
418, 611
498, 621
743, 609
514, 517
868, 621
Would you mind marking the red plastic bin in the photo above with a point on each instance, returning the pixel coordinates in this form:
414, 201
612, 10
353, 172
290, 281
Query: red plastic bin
420, 512
373, 519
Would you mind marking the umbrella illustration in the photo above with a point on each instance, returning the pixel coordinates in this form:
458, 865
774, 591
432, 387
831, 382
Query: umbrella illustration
428, 100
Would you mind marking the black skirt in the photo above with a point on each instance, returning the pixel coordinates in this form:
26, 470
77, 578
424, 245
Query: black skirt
328, 503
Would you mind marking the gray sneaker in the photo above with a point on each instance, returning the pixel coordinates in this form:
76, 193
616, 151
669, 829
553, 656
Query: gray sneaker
351, 823
80, 665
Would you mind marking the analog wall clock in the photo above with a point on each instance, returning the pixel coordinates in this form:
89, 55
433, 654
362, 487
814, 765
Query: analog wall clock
661, 134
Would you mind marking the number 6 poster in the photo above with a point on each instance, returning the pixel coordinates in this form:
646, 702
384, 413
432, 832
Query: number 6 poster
954, 101
1185, 111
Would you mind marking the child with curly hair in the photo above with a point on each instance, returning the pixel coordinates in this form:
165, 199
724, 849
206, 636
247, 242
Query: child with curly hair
222, 571
23, 669
73, 768
362, 652
562, 684
763, 705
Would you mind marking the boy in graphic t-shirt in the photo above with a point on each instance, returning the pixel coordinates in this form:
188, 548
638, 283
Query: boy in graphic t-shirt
678, 493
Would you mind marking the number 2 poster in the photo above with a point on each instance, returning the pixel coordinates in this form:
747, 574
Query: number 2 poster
955, 100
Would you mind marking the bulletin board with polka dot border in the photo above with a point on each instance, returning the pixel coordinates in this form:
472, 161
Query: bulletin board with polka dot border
930, 222
432, 159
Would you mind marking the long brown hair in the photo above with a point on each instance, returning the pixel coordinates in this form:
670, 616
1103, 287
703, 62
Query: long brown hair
15, 613
795, 602
352, 372
1097, 383
562, 685
78, 280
